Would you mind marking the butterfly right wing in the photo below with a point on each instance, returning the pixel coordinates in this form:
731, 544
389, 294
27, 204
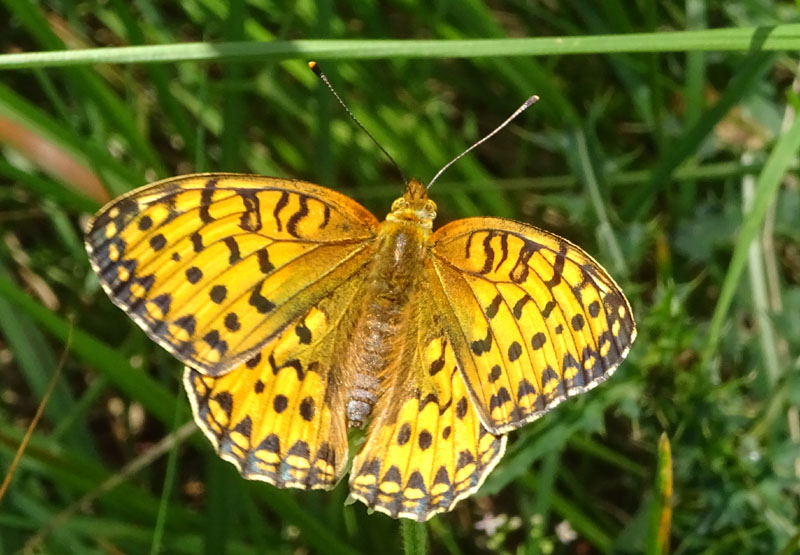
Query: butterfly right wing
533, 318
426, 447
211, 266
278, 416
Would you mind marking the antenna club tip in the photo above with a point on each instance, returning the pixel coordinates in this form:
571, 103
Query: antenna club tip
533, 99
314, 66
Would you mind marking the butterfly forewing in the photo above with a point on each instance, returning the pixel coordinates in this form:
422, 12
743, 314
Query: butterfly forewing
213, 265
533, 319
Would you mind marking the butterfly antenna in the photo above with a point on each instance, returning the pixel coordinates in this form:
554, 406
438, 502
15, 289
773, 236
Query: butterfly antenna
318, 72
525, 105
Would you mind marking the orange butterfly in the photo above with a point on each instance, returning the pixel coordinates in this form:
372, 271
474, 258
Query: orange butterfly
298, 314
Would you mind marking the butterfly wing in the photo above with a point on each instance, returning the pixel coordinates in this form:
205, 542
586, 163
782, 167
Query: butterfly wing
277, 417
426, 448
532, 318
211, 266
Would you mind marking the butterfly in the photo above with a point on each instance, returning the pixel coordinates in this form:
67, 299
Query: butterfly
299, 315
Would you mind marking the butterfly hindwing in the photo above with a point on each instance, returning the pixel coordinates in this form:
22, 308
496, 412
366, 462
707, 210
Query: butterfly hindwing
277, 417
426, 448
212, 265
533, 319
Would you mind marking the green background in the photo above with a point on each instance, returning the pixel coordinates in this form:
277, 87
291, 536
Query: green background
669, 156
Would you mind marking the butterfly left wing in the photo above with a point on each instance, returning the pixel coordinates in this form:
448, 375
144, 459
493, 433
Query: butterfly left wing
532, 318
277, 417
211, 266
426, 448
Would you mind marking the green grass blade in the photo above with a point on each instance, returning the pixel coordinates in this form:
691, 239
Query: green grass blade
783, 154
415, 537
661, 516
774, 38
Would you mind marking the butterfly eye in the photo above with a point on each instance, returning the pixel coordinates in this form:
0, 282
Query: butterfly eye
430, 207
399, 204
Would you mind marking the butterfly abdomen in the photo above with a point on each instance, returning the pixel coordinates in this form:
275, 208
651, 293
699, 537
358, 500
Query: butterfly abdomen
383, 317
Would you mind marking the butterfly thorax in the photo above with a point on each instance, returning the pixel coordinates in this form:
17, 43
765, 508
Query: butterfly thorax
384, 320
414, 207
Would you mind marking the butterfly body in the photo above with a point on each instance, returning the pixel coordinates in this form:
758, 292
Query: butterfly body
372, 360
298, 314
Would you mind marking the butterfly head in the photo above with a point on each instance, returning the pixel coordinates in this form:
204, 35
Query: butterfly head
414, 206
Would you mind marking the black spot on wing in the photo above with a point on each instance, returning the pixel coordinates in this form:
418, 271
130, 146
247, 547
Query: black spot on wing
326, 216
519, 273
279, 403
233, 249
279, 206
461, 408
206, 198
464, 458
291, 225
519, 305
499, 399
264, 263
491, 310
503, 250
488, 253
404, 434
145, 223
441, 476
218, 293
307, 409
558, 267
416, 481
197, 241
271, 444
258, 301
429, 398
225, 402
157, 242
303, 333
244, 427
425, 439
163, 302
392, 475
216, 342
194, 274
525, 388
538, 340
187, 323
251, 218
300, 449
232, 323
484, 345
438, 364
